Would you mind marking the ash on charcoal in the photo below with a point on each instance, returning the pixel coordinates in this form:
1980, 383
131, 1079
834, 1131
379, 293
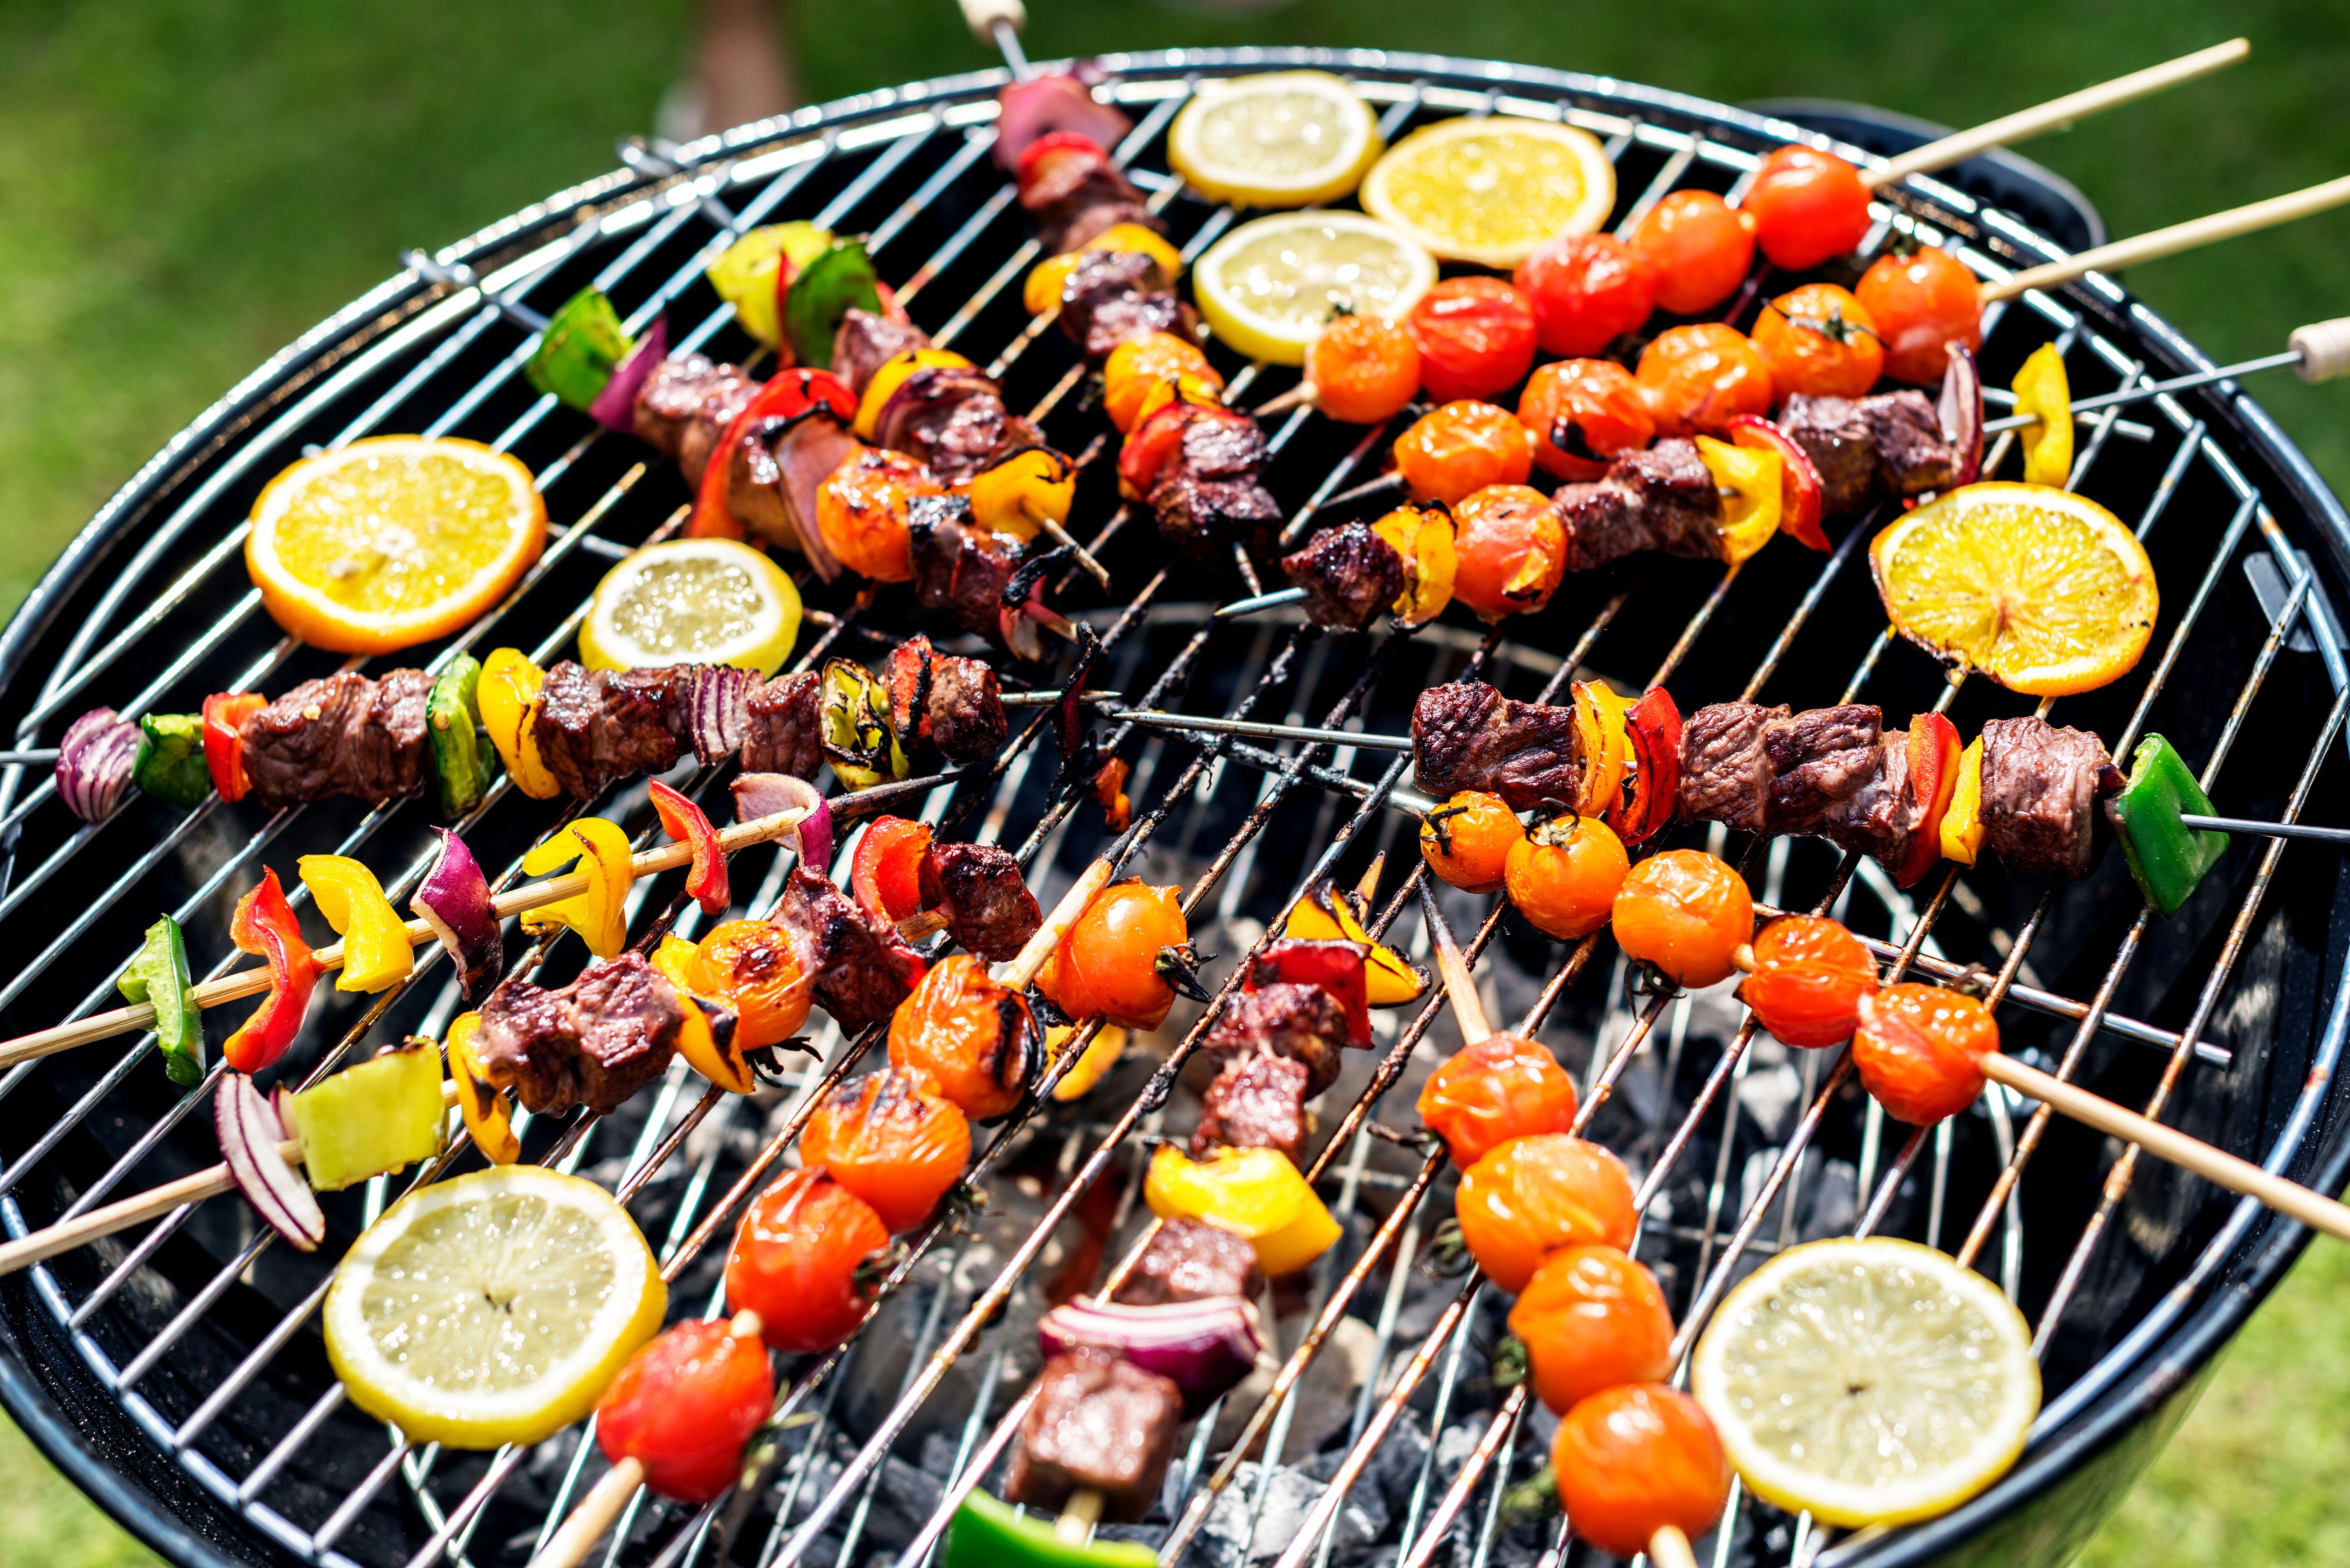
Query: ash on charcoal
1280, 1505
1323, 1403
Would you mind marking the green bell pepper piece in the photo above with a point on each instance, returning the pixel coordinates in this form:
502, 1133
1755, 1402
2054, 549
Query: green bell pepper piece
2168, 857
159, 975
584, 343
988, 1534
171, 762
462, 766
821, 294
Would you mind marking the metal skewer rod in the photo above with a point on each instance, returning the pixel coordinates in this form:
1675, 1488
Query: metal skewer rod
2267, 829
999, 22
1185, 723
1226, 612
2203, 230
2320, 352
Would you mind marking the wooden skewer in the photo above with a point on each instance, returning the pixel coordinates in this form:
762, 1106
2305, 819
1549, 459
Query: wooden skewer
1668, 1548
2178, 237
1062, 536
1074, 904
1460, 990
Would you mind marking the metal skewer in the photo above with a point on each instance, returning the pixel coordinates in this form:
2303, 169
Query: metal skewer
2320, 352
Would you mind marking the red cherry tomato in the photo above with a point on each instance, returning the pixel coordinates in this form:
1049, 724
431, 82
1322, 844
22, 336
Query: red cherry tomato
1106, 966
1922, 304
1809, 977
795, 1259
1592, 1318
886, 872
976, 1039
1534, 1196
1587, 291
1509, 550
1564, 876
1476, 337
1702, 375
1364, 368
1687, 913
1633, 1460
1505, 1086
1807, 205
1819, 341
1919, 1050
1581, 413
1698, 248
684, 1406
894, 1139
1462, 447
1466, 841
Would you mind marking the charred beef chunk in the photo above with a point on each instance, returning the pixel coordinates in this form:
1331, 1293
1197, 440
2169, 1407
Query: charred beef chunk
1204, 518
343, 735
953, 420
1835, 437
1889, 444
1661, 498
865, 341
597, 725
1832, 772
1882, 813
958, 567
1191, 1261
1912, 458
1257, 1102
592, 1042
1725, 770
1304, 1024
782, 732
1469, 736
861, 963
774, 474
1079, 195
1112, 296
689, 400
1099, 1424
1349, 574
1819, 758
953, 705
979, 889
2039, 783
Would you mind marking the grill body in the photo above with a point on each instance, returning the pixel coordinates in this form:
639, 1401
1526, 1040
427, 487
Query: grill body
147, 602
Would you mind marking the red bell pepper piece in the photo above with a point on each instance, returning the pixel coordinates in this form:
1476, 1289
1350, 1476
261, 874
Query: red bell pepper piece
1934, 751
1799, 481
787, 394
264, 925
684, 821
886, 873
1653, 724
1152, 443
224, 716
1335, 966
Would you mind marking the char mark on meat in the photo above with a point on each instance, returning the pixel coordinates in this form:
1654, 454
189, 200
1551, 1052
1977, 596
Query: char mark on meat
866, 342
1659, 498
593, 726
1889, 445
1191, 1261
1834, 435
781, 727
1099, 1424
1468, 736
1349, 574
940, 702
1303, 1024
592, 1042
1112, 296
1257, 1102
1819, 759
958, 568
342, 735
1204, 518
2039, 785
979, 889
953, 420
1725, 768
1882, 813
861, 965
685, 403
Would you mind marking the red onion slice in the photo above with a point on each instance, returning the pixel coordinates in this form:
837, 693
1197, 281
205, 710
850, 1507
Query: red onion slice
251, 1140
718, 715
1960, 408
455, 902
1206, 1346
94, 763
615, 407
1044, 104
764, 794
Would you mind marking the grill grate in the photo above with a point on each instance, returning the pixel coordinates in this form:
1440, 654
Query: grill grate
196, 1338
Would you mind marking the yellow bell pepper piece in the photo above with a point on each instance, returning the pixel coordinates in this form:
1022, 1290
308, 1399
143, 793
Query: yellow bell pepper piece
1599, 716
377, 953
1102, 1054
723, 1065
745, 273
599, 914
483, 1108
1749, 478
1020, 495
1423, 536
1254, 1193
2044, 393
1961, 827
1327, 914
382, 1115
1042, 293
891, 376
508, 695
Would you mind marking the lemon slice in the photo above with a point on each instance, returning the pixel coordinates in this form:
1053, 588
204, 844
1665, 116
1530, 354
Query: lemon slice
1490, 190
2042, 590
1871, 1381
392, 540
693, 601
1268, 288
1289, 138
492, 1309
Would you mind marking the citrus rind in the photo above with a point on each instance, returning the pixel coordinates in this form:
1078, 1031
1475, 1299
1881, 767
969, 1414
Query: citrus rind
1270, 288
693, 601
1285, 138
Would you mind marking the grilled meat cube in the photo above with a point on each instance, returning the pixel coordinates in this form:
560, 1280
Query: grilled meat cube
862, 968
1191, 1261
958, 567
865, 342
951, 704
1304, 1024
1659, 498
592, 1042
2039, 782
1886, 445
774, 474
986, 901
1112, 296
1881, 815
781, 729
686, 404
1768, 770
342, 735
1349, 574
1819, 758
597, 725
1204, 518
1099, 1424
1079, 194
953, 420
1467, 736
1725, 768
1257, 1102
1835, 437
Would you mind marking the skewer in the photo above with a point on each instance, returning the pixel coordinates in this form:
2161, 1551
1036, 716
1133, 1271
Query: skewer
1185, 723
2244, 220
1062, 536
999, 22
2320, 352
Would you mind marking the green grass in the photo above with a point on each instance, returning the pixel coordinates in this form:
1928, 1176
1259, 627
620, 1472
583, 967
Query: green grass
187, 185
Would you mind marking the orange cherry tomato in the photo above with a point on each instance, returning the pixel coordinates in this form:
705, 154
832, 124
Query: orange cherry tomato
684, 1406
861, 511
1509, 550
886, 872
1534, 1196
1364, 368
1466, 840
1820, 341
1502, 1087
1592, 1318
1697, 249
894, 1139
975, 1038
1475, 336
1685, 913
1807, 206
1702, 375
1136, 367
1106, 966
795, 1259
1922, 304
1919, 1050
1565, 874
1452, 452
1587, 291
1581, 413
1809, 976
753, 968
1633, 1460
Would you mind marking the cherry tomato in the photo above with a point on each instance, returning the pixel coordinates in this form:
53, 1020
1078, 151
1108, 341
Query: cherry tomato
1587, 291
684, 1406
1139, 364
1453, 451
1922, 304
1702, 375
894, 1139
753, 967
1364, 368
1564, 874
1919, 1050
1809, 977
1697, 247
1502, 1087
795, 1259
1581, 413
1106, 966
1475, 336
1633, 1460
976, 1038
1592, 1318
1819, 341
886, 872
861, 511
1533, 1196
1466, 840
1686, 913
1807, 205
1509, 550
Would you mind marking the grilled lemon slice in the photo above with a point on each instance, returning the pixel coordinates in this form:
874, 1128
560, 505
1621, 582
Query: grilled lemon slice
693, 601
1288, 139
1268, 288
1490, 190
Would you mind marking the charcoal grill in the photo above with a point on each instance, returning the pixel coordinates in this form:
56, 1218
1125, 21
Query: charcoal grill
176, 1374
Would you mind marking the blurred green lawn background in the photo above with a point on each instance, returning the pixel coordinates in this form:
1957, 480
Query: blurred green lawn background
186, 185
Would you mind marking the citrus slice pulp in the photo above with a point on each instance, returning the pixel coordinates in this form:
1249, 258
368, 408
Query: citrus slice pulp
1269, 287
1287, 139
392, 540
1490, 190
493, 1308
1870, 1381
693, 601
2042, 590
